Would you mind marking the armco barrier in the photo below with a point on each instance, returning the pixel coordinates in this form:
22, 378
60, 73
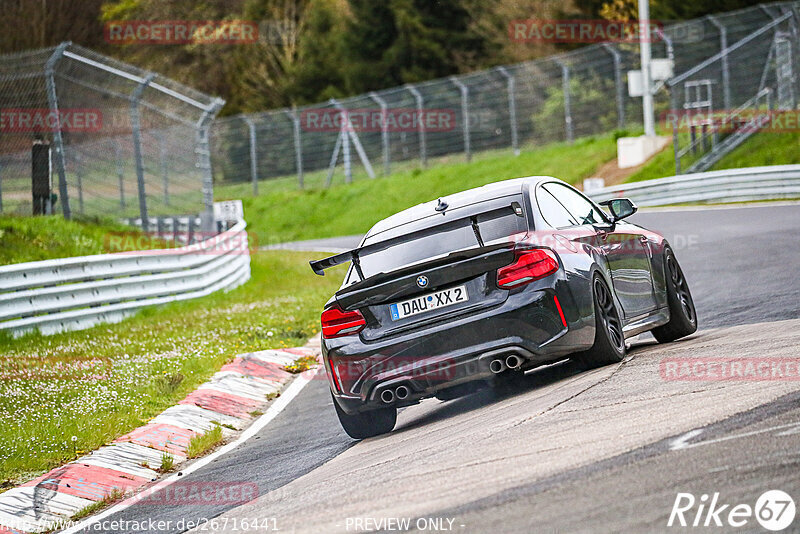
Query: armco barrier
730, 185
76, 293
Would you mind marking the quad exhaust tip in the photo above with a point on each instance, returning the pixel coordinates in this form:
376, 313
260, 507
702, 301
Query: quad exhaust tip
513, 361
401, 392
387, 396
497, 366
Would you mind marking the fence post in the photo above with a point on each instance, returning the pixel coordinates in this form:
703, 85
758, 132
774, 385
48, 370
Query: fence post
464, 114
251, 128
384, 132
348, 167
120, 173
162, 152
618, 84
76, 158
58, 140
298, 146
723, 47
567, 100
673, 97
423, 148
137, 147
203, 151
511, 87
350, 135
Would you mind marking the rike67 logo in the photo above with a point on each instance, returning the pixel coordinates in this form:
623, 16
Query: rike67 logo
774, 510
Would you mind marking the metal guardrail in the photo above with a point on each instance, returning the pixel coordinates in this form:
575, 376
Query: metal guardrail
731, 185
77, 293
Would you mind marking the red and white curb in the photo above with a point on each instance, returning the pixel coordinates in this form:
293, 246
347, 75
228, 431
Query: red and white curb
233, 398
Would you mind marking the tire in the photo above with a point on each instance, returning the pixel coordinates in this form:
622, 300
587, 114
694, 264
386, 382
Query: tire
682, 313
366, 424
609, 339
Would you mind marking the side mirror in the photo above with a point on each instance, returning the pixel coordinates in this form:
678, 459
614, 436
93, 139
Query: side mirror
620, 208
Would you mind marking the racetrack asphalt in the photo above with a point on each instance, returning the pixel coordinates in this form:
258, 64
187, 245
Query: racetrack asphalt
599, 451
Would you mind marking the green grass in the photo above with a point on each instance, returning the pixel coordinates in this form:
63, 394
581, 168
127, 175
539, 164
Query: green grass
100, 383
167, 463
281, 214
24, 239
202, 443
91, 509
765, 148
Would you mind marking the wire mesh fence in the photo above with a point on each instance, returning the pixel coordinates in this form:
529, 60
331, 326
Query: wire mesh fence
123, 142
723, 100
560, 98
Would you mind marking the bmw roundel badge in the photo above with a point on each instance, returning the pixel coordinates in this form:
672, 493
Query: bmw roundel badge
422, 281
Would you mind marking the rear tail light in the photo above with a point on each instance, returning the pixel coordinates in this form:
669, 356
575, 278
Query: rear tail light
528, 266
338, 323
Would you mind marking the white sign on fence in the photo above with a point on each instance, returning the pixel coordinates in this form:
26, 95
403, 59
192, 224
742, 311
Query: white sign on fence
229, 211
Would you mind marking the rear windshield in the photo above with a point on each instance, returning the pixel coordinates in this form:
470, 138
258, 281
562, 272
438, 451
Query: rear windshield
493, 230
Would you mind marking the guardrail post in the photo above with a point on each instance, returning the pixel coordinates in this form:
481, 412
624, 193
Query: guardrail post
298, 146
620, 91
203, 150
190, 230
464, 114
137, 147
567, 100
384, 132
251, 129
423, 148
723, 46
58, 140
511, 88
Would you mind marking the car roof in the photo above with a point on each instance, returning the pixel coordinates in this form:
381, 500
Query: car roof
490, 191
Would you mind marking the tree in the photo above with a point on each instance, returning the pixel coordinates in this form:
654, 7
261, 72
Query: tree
371, 31
263, 71
206, 67
28, 24
318, 75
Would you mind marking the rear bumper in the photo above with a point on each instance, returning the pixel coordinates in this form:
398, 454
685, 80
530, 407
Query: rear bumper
438, 356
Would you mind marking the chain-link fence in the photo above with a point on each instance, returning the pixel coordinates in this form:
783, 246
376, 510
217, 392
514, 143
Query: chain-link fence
721, 101
559, 98
124, 142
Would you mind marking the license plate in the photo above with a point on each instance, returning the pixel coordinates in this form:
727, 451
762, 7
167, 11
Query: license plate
429, 302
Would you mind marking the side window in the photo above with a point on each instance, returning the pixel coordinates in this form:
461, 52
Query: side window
553, 212
581, 209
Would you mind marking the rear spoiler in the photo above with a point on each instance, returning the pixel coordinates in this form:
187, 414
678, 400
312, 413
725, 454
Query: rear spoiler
356, 254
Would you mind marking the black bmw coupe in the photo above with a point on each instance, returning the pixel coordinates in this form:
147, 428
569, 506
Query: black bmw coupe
485, 284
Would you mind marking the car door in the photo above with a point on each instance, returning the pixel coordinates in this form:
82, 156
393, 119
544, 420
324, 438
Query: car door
625, 248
